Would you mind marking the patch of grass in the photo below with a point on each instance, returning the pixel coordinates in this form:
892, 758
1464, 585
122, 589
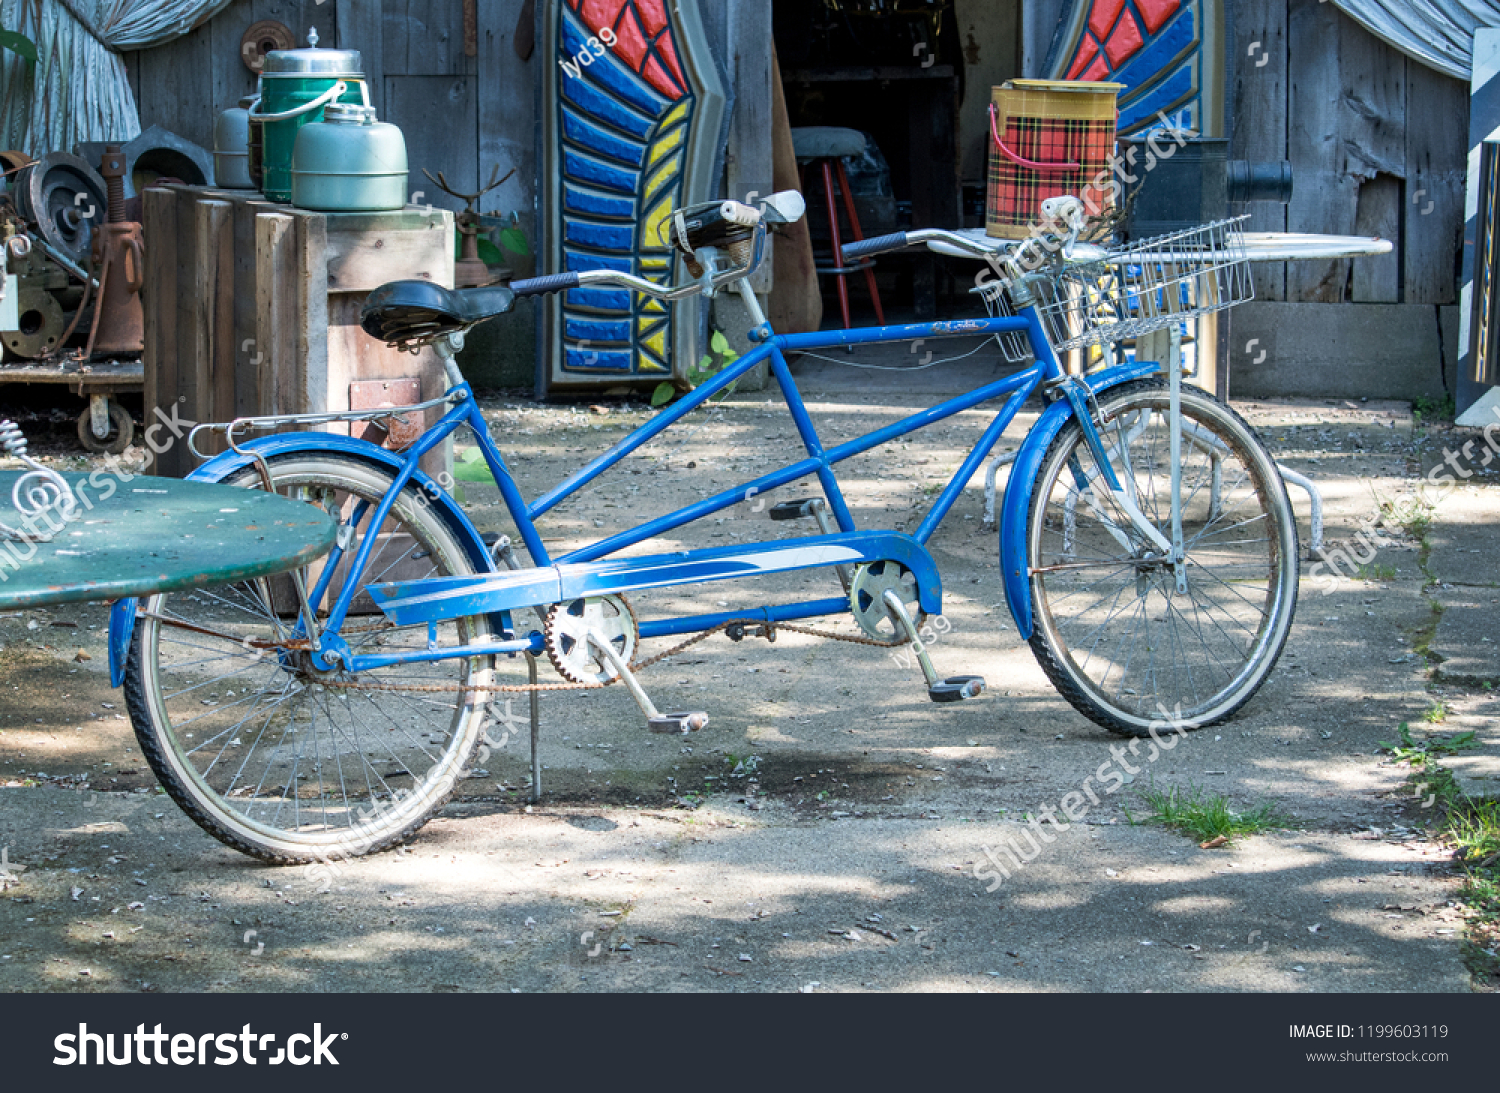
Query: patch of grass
1436, 714
1433, 409
1474, 828
1377, 573
1204, 815
1419, 753
1414, 518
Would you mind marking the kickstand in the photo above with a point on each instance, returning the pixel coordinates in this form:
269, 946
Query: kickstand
536, 731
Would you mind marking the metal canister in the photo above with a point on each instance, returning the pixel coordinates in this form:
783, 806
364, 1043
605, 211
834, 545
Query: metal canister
232, 147
295, 86
349, 162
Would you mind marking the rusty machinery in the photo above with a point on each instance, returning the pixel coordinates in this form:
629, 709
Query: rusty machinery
74, 265
469, 270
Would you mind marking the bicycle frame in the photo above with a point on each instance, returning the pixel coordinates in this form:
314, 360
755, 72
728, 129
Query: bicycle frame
1016, 389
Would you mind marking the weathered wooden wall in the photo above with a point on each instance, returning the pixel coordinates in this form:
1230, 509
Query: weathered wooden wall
1378, 144
460, 114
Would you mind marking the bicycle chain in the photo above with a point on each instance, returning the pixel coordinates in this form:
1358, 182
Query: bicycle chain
768, 630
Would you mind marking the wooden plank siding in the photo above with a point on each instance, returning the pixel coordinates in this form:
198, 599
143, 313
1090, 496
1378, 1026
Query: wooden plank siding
1377, 145
1377, 141
1257, 86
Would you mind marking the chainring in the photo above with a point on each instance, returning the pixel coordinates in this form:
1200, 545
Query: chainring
867, 599
566, 637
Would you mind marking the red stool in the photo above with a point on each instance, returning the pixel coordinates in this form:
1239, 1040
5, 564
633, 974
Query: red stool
823, 148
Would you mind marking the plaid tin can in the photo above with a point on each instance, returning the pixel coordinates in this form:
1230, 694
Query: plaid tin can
1048, 138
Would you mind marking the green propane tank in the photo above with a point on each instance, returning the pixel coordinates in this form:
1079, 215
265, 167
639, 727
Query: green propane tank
295, 86
349, 162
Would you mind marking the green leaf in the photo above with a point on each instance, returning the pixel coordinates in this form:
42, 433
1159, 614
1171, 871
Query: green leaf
20, 44
514, 240
663, 394
471, 467
720, 344
489, 253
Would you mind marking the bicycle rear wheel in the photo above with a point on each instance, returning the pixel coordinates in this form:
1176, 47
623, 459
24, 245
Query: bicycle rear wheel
285, 762
1111, 628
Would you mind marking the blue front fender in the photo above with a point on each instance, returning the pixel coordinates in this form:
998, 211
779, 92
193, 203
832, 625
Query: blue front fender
220, 467
1014, 567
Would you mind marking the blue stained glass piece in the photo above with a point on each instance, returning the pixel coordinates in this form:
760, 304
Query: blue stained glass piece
609, 71
606, 108
585, 168
1164, 96
592, 360
610, 237
576, 199
580, 131
596, 330
602, 299
1171, 40
576, 261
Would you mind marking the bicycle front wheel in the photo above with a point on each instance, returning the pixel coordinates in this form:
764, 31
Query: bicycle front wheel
276, 758
1118, 637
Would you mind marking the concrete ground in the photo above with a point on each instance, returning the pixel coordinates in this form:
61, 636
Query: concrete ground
828, 830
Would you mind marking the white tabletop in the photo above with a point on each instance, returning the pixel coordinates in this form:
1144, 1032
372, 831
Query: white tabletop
1259, 246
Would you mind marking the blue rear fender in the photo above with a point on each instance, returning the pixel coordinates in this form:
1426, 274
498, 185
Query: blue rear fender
1014, 567
220, 467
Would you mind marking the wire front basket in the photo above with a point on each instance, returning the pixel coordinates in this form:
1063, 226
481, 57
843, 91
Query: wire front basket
1146, 286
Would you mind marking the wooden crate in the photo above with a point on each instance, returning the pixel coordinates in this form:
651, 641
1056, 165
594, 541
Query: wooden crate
252, 308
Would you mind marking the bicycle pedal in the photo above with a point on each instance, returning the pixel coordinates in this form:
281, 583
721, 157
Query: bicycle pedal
956, 689
678, 724
792, 510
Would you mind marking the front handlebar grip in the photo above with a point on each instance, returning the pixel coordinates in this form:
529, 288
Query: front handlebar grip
552, 282
862, 247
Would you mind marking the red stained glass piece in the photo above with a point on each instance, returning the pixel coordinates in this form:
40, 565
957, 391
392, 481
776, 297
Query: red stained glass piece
598, 14
657, 77
668, 54
1157, 12
645, 38
632, 45
653, 15
1097, 71
1086, 53
1125, 42
1104, 16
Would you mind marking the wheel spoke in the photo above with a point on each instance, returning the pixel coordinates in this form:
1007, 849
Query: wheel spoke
1112, 628
301, 763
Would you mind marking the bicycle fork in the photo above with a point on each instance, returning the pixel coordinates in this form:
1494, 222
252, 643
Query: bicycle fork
1080, 397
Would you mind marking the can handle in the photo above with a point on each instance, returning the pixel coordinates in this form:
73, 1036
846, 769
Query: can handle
324, 99
1021, 160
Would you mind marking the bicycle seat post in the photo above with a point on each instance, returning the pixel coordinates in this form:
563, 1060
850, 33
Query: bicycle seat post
446, 347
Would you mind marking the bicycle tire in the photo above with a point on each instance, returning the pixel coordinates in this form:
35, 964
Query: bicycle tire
1242, 591
178, 677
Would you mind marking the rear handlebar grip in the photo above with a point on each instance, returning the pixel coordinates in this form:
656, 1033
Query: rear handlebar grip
552, 282
862, 247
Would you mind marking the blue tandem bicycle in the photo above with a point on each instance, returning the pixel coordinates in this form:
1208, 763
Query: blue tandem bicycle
1147, 548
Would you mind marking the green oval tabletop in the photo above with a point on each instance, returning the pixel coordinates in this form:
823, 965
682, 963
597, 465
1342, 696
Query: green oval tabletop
149, 535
